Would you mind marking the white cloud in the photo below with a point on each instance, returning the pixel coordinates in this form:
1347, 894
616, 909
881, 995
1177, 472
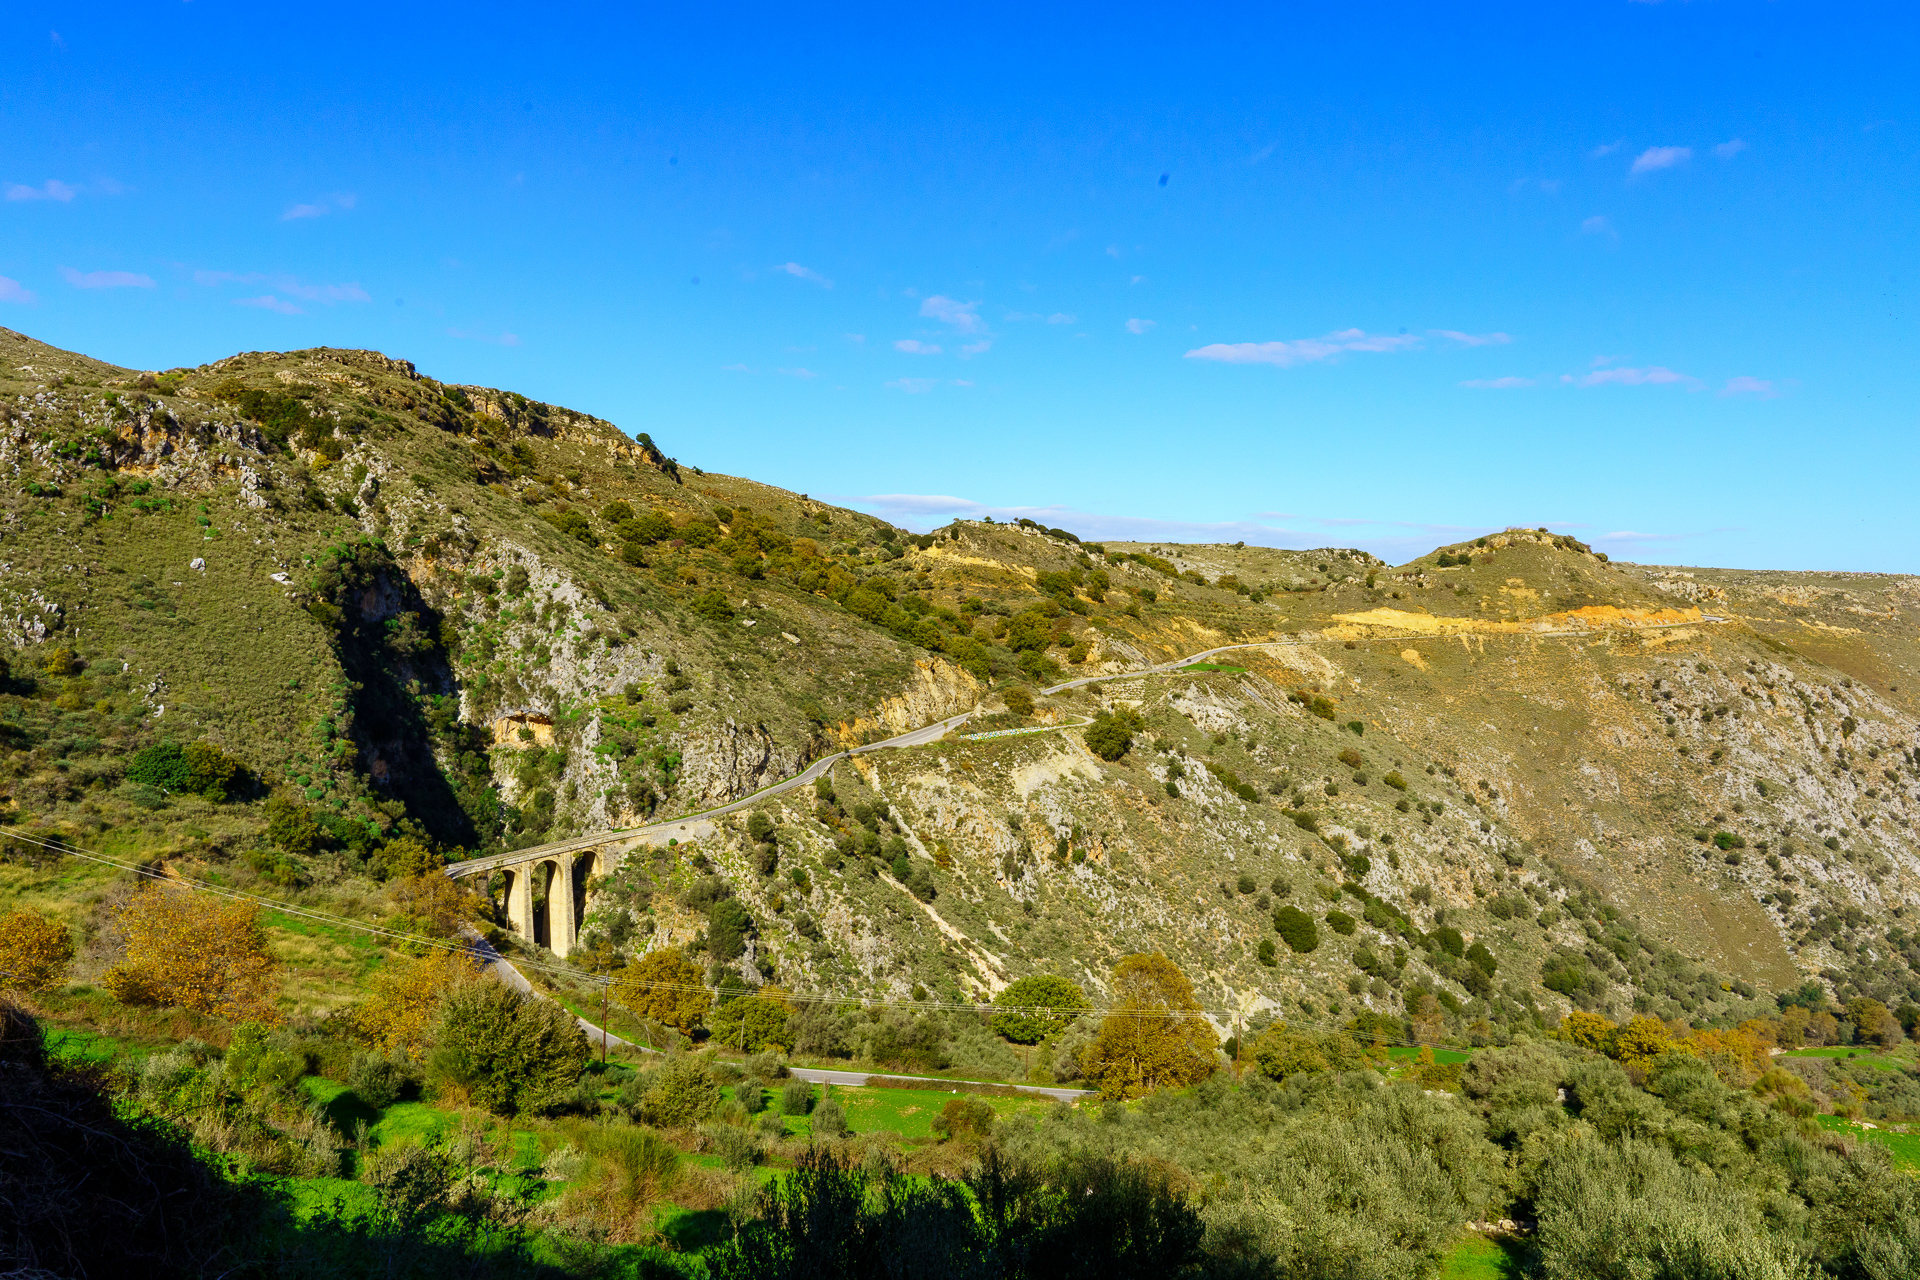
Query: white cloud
492, 339
963, 316
54, 189
267, 302
798, 373
350, 292
1498, 384
1651, 376
915, 347
962, 382
977, 348
339, 200
106, 279
1598, 225
1139, 326
1608, 148
808, 274
1113, 251
1471, 339
1302, 350
1061, 317
12, 290
1730, 148
858, 339
1136, 279
1745, 386
913, 386
1661, 158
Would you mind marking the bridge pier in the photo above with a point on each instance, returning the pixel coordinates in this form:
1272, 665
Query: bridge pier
556, 925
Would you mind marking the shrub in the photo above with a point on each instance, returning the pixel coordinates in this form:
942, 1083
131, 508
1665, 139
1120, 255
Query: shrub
1341, 923
1448, 939
1035, 1007
376, 1080
1395, 781
666, 987
966, 1116
681, 1095
35, 951
512, 1052
712, 606
752, 1023
737, 1149
1297, 929
1350, 758
829, 1118
290, 824
398, 1017
1019, 700
1280, 1053
1265, 954
1481, 958
199, 768
796, 1098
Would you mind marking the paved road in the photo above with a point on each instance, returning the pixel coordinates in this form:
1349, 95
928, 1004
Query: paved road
687, 823
912, 738
499, 967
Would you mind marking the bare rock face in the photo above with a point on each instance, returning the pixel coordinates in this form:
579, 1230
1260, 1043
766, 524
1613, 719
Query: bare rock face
936, 690
726, 762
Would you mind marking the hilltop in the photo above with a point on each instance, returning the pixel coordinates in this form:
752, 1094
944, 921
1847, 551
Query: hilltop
1510, 774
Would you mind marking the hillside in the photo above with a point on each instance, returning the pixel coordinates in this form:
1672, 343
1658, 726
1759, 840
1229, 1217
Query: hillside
1508, 775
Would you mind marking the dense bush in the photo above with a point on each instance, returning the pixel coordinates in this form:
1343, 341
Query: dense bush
1035, 1007
510, 1052
1296, 928
198, 768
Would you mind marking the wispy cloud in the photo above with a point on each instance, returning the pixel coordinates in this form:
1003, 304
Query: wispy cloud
798, 373
1058, 317
1471, 339
1651, 376
1730, 148
1498, 384
339, 201
980, 348
1607, 148
1139, 326
1654, 158
735, 368
1302, 350
963, 316
492, 339
1746, 386
52, 189
913, 386
267, 302
12, 290
106, 279
290, 285
808, 274
915, 347
1598, 225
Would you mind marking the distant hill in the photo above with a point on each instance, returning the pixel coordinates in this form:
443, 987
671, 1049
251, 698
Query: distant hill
1509, 774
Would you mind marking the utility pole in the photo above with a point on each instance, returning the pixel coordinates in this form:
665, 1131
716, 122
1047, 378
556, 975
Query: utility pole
606, 989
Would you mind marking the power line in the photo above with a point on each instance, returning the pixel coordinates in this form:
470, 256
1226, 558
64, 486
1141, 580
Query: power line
611, 980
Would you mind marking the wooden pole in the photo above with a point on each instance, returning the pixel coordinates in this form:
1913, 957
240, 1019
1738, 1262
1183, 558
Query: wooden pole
606, 989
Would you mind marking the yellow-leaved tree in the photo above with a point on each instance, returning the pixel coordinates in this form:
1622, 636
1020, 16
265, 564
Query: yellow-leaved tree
398, 1017
197, 951
34, 951
666, 987
1155, 1036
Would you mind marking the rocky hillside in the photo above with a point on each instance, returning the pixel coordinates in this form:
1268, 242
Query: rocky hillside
1482, 787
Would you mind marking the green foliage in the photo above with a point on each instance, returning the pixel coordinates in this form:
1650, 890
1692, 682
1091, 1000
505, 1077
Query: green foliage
751, 1024
1019, 700
963, 1117
1110, 735
713, 606
1395, 781
1448, 939
290, 824
1036, 1007
727, 927
1341, 923
682, 1095
1231, 781
1481, 958
1296, 928
573, 524
512, 1053
199, 768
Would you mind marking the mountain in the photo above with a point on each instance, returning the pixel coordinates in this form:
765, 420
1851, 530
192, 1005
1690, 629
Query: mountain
408, 614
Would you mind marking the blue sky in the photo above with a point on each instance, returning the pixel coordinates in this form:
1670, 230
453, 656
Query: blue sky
1384, 277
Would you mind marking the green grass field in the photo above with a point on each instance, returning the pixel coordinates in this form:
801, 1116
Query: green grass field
910, 1112
1904, 1147
1404, 1053
1878, 1059
1478, 1258
1213, 666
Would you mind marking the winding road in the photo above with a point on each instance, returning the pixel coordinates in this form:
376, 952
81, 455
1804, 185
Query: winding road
694, 824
